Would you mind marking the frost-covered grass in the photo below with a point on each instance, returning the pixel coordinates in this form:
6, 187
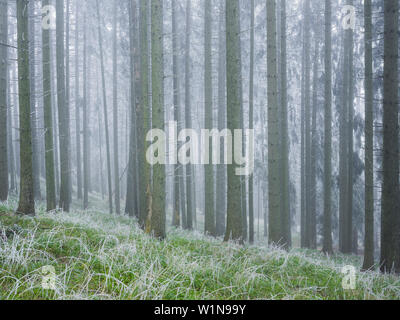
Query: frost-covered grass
97, 256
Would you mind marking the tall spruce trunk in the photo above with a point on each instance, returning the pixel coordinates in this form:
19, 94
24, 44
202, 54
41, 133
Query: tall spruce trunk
176, 221
48, 119
307, 122
155, 222
369, 260
4, 181
234, 225
105, 112
144, 116
190, 194
221, 169
314, 143
86, 118
62, 111
390, 241
274, 227
251, 121
34, 111
209, 224
327, 225
115, 112
132, 198
78, 106
285, 178
26, 204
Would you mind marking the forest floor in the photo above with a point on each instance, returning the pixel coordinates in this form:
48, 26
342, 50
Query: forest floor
98, 256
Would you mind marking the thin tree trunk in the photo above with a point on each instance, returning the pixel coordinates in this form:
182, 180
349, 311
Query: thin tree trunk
251, 121
86, 119
314, 142
177, 192
369, 260
132, 199
221, 169
327, 227
34, 116
62, 111
307, 118
78, 106
4, 181
144, 116
275, 228
48, 119
105, 113
190, 194
115, 113
286, 216
209, 225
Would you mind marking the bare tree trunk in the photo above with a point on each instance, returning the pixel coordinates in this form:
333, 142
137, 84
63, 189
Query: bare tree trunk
369, 259
190, 193
390, 242
3, 101
26, 204
48, 118
62, 112
327, 228
234, 225
78, 106
103, 81
115, 112
209, 224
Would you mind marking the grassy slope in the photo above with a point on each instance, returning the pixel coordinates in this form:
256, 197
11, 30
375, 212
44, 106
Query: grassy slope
100, 257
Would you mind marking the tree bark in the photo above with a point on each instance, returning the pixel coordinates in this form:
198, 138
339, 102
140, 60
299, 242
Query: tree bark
234, 217
26, 204
369, 260
48, 119
4, 181
327, 227
390, 241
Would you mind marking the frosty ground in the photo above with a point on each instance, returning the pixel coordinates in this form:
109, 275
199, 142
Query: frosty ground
98, 256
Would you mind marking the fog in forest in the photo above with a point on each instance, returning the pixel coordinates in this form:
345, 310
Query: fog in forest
262, 124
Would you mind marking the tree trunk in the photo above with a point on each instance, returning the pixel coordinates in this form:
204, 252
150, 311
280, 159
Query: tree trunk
62, 111
251, 121
115, 113
390, 244
105, 112
48, 119
275, 228
177, 192
3, 100
77, 107
144, 116
327, 228
221, 169
132, 199
155, 222
86, 119
190, 194
209, 225
286, 216
34, 114
369, 260
234, 217
26, 204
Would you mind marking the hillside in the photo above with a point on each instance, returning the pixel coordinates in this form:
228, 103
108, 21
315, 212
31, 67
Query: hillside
97, 256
